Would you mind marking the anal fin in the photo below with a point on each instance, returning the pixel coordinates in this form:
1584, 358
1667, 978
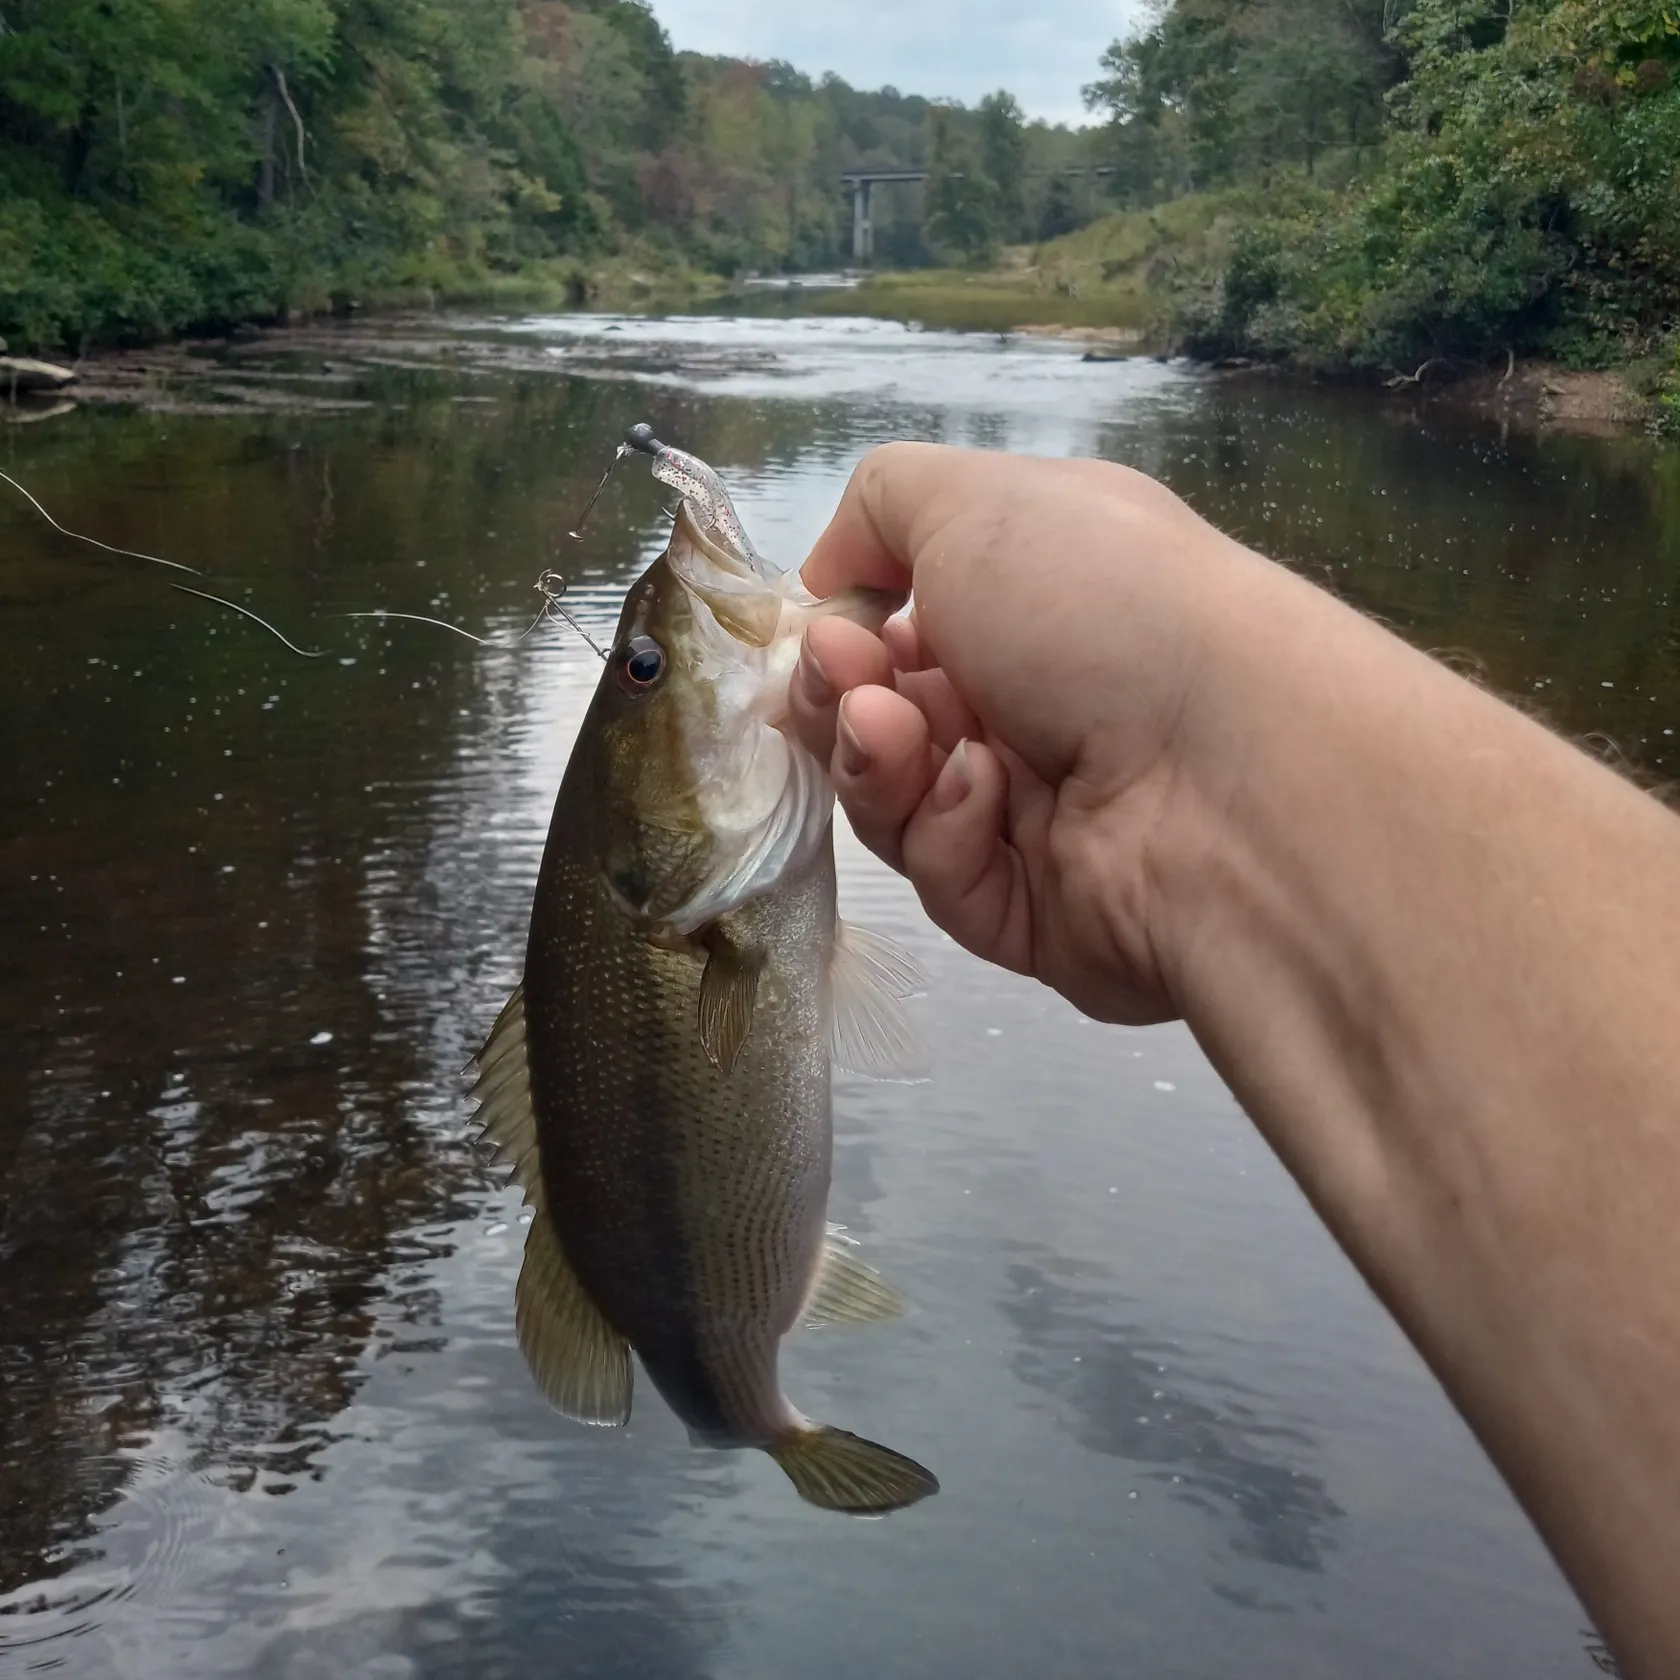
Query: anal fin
847, 1291
581, 1364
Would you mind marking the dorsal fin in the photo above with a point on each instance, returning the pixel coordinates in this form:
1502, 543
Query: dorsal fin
506, 1122
581, 1364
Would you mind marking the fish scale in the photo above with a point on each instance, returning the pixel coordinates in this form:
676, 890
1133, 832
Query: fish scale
662, 1081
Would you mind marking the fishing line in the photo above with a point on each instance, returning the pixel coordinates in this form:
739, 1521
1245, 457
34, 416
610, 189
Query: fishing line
94, 542
576, 533
173, 565
441, 623
550, 585
255, 618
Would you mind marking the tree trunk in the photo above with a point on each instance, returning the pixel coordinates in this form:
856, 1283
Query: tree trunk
81, 146
268, 116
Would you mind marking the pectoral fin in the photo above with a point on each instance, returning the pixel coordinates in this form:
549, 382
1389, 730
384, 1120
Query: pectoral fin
728, 992
581, 1364
871, 1031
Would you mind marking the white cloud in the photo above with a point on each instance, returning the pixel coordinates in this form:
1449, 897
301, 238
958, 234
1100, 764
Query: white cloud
1043, 53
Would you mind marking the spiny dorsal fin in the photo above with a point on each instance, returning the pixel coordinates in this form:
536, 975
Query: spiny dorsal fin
581, 1364
871, 1031
842, 1472
510, 1025
728, 991
847, 1291
506, 1121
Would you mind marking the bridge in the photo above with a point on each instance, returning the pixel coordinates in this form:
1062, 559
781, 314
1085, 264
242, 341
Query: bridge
864, 181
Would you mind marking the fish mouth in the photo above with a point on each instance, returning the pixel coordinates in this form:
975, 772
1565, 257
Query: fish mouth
745, 603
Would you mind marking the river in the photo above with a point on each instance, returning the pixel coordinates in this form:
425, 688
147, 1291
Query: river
261, 1412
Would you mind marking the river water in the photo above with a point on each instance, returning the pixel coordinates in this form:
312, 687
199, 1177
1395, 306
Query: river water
260, 1406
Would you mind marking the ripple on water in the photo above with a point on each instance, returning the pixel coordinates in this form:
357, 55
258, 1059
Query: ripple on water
264, 1413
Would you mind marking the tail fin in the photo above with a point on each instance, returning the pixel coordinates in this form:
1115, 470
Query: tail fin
842, 1472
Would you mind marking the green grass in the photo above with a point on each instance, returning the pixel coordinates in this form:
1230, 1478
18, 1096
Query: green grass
1113, 273
979, 303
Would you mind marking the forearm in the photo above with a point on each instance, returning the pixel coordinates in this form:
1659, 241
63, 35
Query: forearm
1436, 952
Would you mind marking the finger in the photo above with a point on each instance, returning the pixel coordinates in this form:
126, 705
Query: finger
904, 643
882, 767
836, 657
950, 719
899, 494
971, 881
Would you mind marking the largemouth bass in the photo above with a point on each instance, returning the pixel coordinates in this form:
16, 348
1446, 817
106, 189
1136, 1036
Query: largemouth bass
660, 1081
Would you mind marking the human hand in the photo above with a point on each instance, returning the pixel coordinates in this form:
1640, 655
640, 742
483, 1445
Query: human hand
1021, 748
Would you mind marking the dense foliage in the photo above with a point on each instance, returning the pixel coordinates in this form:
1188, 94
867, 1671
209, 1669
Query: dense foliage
167, 164
1442, 179
1222, 89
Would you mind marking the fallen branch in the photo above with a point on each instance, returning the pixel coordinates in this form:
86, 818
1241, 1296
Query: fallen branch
1404, 379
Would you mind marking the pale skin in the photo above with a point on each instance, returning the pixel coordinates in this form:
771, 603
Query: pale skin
1432, 948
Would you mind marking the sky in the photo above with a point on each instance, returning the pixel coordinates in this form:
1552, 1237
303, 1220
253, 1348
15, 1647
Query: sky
1043, 51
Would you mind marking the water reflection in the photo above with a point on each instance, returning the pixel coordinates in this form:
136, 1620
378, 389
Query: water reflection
260, 1409
1135, 1395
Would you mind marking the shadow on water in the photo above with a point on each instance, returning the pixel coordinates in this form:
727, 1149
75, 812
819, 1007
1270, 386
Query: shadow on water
1136, 1396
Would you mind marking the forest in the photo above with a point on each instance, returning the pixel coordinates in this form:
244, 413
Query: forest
176, 164
1378, 186
1422, 181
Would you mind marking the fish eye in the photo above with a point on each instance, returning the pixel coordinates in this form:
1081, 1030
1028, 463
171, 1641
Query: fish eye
640, 665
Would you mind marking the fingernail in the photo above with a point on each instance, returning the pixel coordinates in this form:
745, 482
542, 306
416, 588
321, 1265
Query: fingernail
854, 760
955, 783
813, 679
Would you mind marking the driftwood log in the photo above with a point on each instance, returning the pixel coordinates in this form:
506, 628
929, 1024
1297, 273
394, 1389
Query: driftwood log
22, 374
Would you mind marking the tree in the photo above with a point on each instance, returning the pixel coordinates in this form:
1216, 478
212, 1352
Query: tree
1244, 85
1003, 157
960, 200
1059, 213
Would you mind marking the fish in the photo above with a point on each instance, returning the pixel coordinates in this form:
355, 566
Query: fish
660, 1081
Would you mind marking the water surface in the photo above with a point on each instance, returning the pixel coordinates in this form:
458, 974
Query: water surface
260, 1408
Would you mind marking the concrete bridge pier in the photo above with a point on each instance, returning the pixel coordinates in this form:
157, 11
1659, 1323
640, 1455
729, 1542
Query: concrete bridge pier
863, 221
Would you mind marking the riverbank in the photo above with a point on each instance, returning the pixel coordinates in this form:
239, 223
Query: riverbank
1168, 281
339, 366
